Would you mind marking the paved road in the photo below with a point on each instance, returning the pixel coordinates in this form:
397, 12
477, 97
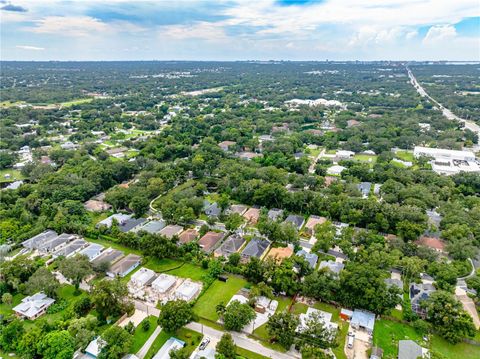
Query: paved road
144, 350
311, 169
445, 111
243, 341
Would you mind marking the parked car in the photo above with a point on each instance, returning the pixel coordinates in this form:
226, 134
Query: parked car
204, 343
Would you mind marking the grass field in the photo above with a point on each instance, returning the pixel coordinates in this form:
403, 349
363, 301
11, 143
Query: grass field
405, 156
387, 334
111, 243
188, 270
162, 265
366, 158
140, 336
6, 309
190, 337
247, 354
14, 175
76, 102
217, 293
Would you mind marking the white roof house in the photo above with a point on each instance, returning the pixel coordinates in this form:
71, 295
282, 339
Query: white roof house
164, 283
92, 251
142, 277
187, 290
34, 306
120, 217
94, 347
324, 316
335, 170
448, 162
361, 319
170, 344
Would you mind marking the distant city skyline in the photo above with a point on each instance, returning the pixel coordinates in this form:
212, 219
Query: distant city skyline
241, 30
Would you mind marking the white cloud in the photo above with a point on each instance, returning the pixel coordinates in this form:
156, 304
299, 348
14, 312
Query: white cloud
200, 30
439, 33
28, 47
70, 25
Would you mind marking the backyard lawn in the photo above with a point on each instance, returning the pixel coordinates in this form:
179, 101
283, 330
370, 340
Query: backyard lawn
140, 336
366, 158
161, 265
6, 309
405, 156
218, 292
188, 270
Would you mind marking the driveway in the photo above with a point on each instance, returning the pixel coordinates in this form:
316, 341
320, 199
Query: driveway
144, 350
242, 341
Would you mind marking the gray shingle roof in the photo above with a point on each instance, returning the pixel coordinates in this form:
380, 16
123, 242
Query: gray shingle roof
256, 248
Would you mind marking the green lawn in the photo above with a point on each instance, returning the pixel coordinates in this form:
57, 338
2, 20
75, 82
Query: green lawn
14, 175
162, 265
140, 336
76, 102
191, 338
188, 270
6, 309
216, 293
405, 156
299, 308
342, 337
366, 158
387, 334
247, 354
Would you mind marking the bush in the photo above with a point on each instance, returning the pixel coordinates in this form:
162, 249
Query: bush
145, 325
57, 306
130, 328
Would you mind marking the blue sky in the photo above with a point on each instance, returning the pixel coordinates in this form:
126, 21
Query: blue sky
240, 30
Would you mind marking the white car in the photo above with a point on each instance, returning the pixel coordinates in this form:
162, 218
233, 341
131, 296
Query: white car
204, 343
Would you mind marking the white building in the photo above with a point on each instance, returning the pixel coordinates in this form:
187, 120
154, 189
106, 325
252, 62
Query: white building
325, 317
448, 162
142, 277
335, 170
34, 306
187, 290
164, 283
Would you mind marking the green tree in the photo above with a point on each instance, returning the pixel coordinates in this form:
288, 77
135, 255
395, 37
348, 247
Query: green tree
7, 298
83, 330
76, 269
315, 333
10, 335
226, 346
181, 353
281, 328
117, 343
325, 235
174, 315
58, 344
237, 315
110, 298
27, 346
43, 281
448, 318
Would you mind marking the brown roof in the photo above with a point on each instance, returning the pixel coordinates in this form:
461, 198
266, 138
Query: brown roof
209, 240
96, 206
329, 180
280, 253
188, 236
313, 221
171, 230
431, 242
252, 215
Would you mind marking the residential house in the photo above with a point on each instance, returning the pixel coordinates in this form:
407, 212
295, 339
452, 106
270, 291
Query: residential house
171, 230
332, 266
325, 317
210, 240
231, 245
275, 214
280, 253
257, 247
188, 236
170, 344
212, 209
131, 224
94, 348
246, 155
420, 292
56, 243
152, 227
335, 170
92, 251
431, 242
296, 221
252, 215
124, 266
226, 145
311, 258
163, 283
364, 188
36, 241
93, 205
119, 217
237, 208
187, 291
363, 320
312, 222
408, 349
109, 256
71, 248
142, 277
34, 306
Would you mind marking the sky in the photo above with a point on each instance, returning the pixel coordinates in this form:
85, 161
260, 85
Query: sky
240, 30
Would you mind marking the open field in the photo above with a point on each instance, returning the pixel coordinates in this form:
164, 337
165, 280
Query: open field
405, 156
14, 175
218, 292
76, 102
